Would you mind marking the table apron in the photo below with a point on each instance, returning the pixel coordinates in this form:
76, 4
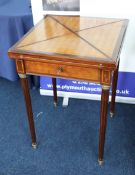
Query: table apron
92, 74
61, 70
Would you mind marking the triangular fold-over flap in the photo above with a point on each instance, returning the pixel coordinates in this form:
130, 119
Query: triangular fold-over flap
75, 23
46, 29
68, 45
103, 38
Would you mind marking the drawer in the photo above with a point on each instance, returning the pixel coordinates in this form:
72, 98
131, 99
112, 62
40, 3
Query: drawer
63, 71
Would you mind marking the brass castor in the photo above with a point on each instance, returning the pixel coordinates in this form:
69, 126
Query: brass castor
100, 162
34, 145
55, 104
111, 114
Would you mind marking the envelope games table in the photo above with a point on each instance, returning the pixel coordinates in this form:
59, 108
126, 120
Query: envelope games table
72, 47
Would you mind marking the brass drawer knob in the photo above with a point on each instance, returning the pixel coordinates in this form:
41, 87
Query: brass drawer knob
59, 70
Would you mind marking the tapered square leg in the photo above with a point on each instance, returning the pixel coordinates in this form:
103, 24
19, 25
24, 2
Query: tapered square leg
114, 87
25, 88
103, 121
54, 91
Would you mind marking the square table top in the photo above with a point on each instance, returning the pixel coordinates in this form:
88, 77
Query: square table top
74, 37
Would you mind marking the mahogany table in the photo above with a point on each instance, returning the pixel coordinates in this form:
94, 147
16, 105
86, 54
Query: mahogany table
72, 47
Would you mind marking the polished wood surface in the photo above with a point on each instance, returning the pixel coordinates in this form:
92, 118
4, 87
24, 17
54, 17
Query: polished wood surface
66, 37
25, 88
62, 70
103, 121
72, 47
114, 88
54, 83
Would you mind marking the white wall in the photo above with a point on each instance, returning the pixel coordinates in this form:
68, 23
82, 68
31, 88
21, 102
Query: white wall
108, 7
37, 10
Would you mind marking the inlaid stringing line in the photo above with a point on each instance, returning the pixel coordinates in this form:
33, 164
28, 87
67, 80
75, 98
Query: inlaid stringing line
82, 38
75, 34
